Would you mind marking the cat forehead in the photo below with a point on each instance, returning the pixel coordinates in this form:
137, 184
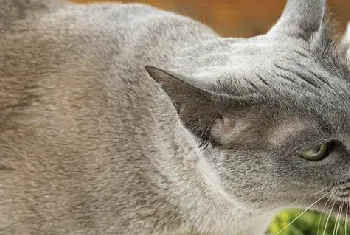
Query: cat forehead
247, 58
280, 126
262, 63
323, 112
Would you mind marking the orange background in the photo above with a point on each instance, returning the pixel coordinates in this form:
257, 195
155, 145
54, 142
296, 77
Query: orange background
238, 18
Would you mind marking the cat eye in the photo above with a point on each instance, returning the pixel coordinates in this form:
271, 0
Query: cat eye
317, 153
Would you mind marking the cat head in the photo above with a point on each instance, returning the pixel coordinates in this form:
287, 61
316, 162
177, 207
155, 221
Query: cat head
273, 110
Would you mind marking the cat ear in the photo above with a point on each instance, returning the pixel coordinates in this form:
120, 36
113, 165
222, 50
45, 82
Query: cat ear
197, 106
218, 118
300, 18
181, 81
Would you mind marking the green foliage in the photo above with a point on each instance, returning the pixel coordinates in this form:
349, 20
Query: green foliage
310, 223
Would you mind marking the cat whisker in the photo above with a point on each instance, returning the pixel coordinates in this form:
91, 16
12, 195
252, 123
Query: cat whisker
329, 215
346, 216
320, 191
341, 210
303, 212
337, 221
322, 213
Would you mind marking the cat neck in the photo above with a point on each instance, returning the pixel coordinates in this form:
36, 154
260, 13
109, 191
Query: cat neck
223, 213
204, 202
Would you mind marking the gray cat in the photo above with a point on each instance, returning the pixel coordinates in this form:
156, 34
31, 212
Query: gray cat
127, 120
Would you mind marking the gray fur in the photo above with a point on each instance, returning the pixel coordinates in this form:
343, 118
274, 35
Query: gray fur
91, 144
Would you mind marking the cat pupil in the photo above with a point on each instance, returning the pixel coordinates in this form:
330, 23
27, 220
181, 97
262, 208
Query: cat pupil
316, 150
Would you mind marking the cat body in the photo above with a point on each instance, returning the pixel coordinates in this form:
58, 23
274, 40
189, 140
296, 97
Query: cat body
124, 119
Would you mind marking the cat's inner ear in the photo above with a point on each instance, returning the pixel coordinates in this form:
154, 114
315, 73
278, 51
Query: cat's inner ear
300, 18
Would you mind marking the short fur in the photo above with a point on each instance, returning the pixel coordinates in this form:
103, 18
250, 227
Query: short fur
91, 144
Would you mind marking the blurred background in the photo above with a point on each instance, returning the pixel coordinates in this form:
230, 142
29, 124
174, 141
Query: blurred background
247, 18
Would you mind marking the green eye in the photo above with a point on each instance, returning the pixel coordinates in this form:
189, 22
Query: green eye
316, 154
